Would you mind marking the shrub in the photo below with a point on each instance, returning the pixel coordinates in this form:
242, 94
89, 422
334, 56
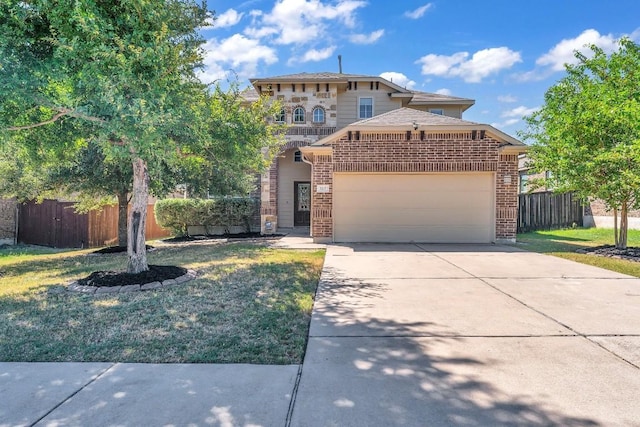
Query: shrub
178, 214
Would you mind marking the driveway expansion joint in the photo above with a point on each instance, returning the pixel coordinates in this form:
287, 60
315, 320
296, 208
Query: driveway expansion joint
294, 395
71, 396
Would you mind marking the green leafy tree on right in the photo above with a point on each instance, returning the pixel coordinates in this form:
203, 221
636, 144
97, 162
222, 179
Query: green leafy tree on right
587, 133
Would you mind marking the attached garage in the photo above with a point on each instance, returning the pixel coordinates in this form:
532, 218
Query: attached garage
431, 207
413, 176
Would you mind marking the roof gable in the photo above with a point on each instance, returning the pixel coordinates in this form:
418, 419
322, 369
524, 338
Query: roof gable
409, 119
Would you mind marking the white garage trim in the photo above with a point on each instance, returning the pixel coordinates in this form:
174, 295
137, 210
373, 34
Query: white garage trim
428, 207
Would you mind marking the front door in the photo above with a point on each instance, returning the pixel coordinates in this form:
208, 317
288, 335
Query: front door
302, 204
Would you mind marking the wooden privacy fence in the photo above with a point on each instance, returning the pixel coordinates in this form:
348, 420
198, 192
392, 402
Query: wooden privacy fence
56, 224
546, 211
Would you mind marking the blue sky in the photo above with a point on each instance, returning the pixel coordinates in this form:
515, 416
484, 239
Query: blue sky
502, 53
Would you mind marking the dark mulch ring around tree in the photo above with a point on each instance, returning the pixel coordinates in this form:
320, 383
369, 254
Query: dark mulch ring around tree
115, 250
631, 254
199, 237
156, 273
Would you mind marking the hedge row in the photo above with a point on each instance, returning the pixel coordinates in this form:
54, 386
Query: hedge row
226, 212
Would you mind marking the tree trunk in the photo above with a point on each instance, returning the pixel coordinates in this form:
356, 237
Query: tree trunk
136, 248
624, 226
615, 227
123, 205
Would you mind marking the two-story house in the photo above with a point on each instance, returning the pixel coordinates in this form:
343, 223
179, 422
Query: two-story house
368, 160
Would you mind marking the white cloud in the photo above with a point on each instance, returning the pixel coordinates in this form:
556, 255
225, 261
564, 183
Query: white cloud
563, 52
518, 112
366, 38
227, 19
482, 64
314, 55
514, 116
505, 123
419, 12
507, 99
443, 91
303, 21
237, 53
399, 79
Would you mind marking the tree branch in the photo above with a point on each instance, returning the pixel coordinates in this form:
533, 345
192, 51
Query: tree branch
61, 113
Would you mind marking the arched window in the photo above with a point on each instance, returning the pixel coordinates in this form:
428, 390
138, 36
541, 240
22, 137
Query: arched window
318, 115
281, 116
298, 115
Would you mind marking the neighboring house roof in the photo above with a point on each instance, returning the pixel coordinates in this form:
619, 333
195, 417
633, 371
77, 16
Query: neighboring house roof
405, 119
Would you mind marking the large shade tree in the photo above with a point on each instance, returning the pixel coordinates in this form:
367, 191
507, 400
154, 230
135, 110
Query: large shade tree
587, 133
121, 74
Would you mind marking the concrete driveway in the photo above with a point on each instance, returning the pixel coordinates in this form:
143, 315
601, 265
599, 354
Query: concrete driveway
439, 335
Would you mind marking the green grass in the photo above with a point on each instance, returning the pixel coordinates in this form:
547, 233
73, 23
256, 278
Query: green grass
249, 304
564, 243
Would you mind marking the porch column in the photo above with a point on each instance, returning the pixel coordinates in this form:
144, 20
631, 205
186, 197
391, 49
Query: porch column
269, 200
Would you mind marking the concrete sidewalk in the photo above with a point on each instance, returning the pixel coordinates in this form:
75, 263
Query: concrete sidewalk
106, 394
442, 335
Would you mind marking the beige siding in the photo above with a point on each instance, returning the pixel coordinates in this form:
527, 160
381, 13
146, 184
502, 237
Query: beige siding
348, 103
289, 172
448, 110
435, 208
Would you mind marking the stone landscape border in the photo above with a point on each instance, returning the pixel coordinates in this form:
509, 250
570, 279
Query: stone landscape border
76, 287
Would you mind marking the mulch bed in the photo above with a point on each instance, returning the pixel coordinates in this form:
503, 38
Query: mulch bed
631, 254
156, 273
200, 237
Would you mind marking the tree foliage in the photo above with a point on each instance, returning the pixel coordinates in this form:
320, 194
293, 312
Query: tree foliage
113, 82
587, 133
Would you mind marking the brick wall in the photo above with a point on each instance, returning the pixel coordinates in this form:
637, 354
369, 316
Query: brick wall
507, 197
399, 152
321, 215
7, 221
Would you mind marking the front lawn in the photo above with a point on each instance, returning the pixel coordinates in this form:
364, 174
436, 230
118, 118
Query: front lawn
249, 304
564, 243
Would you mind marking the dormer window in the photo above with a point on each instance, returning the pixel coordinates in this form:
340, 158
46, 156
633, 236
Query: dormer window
438, 111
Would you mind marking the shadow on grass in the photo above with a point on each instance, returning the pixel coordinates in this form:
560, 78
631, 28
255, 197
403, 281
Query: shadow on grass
555, 237
249, 304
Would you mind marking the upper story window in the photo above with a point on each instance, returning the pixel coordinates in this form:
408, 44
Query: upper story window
438, 111
297, 157
365, 108
281, 116
318, 115
298, 115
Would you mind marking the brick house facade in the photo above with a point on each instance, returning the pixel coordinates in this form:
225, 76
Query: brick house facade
468, 148
423, 136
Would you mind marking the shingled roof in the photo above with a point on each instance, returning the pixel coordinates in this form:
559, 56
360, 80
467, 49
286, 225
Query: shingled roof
322, 76
406, 119
427, 98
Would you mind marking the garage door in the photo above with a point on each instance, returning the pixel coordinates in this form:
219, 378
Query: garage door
437, 208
